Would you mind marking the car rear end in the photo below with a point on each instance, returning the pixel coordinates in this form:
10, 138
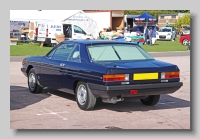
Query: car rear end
140, 76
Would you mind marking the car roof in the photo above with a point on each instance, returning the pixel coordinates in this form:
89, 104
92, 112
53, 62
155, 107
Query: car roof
166, 27
87, 42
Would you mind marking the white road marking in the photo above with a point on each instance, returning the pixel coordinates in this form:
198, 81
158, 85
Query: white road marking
167, 104
54, 113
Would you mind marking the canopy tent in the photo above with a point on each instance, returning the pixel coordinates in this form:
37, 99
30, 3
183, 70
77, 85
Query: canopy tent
145, 19
145, 16
84, 21
77, 17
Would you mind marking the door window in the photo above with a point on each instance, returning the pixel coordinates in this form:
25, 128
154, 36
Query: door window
75, 55
78, 30
63, 51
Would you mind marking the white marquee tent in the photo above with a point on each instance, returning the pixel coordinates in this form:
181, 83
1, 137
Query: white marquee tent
77, 17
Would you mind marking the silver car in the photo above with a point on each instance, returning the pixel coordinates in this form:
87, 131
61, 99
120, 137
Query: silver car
186, 31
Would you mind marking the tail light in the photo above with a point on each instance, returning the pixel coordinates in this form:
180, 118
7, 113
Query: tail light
168, 75
36, 31
115, 77
47, 33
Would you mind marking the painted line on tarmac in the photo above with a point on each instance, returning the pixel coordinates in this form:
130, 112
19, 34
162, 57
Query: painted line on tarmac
54, 113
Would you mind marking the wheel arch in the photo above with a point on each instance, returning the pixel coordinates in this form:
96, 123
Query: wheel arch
29, 68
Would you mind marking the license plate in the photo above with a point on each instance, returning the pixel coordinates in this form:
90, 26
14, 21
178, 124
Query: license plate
145, 76
39, 39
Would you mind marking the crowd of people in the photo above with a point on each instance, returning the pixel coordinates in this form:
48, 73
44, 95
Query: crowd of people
148, 33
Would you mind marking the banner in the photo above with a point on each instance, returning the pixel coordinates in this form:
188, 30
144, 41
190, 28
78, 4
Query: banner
42, 30
15, 26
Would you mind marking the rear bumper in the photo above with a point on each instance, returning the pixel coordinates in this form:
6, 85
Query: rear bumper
143, 89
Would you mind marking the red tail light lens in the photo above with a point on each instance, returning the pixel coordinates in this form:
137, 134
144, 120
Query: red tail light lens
168, 75
133, 92
36, 31
115, 77
47, 33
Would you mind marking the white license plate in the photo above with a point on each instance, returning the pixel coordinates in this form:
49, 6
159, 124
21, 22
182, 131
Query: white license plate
41, 39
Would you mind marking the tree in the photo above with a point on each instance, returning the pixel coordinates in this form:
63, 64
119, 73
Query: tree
155, 13
182, 20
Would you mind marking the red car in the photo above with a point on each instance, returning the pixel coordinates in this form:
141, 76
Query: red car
185, 39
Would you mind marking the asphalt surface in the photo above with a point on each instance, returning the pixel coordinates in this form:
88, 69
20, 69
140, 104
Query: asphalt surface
58, 110
154, 54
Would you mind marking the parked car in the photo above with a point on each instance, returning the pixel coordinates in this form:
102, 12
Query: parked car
182, 27
186, 31
184, 39
109, 70
165, 33
173, 29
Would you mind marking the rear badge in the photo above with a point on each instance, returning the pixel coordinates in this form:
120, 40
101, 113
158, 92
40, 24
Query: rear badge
124, 82
164, 81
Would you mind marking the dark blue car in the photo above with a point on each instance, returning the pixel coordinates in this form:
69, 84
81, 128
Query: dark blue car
109, 70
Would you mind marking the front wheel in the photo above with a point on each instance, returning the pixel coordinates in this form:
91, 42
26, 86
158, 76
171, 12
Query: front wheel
84, 97
33, 83
185, 42
150, 100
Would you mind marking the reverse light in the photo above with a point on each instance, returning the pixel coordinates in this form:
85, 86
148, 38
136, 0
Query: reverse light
115, 77
168, 75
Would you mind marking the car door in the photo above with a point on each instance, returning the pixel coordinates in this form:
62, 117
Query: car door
78, 33
52, 66
72, 68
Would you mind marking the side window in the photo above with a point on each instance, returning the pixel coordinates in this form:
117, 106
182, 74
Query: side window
51, 53
75, 55
63, 51
78, 30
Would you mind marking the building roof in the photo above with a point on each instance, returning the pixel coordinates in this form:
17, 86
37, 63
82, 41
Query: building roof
167, 14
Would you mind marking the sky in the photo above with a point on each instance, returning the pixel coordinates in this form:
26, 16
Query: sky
49, 15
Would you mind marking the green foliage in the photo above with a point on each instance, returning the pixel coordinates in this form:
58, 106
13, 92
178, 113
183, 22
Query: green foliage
155, 13
183, 20
25, 49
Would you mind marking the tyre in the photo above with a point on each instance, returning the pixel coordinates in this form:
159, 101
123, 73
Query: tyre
84, 97
185, 42
33, 84
150, 100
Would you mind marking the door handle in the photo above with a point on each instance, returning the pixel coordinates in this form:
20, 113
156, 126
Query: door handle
74, 34
62, 64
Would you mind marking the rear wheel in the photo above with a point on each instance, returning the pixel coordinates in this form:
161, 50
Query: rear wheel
185, 42
33, 83
150, 100
84, 97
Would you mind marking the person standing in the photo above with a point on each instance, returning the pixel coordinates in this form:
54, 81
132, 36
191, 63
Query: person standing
150, 35
145, 34
129, 29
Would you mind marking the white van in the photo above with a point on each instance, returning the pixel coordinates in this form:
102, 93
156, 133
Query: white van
72, 31
46, 32
51, 31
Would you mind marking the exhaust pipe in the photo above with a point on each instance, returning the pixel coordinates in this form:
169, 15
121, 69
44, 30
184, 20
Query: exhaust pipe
112, 100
